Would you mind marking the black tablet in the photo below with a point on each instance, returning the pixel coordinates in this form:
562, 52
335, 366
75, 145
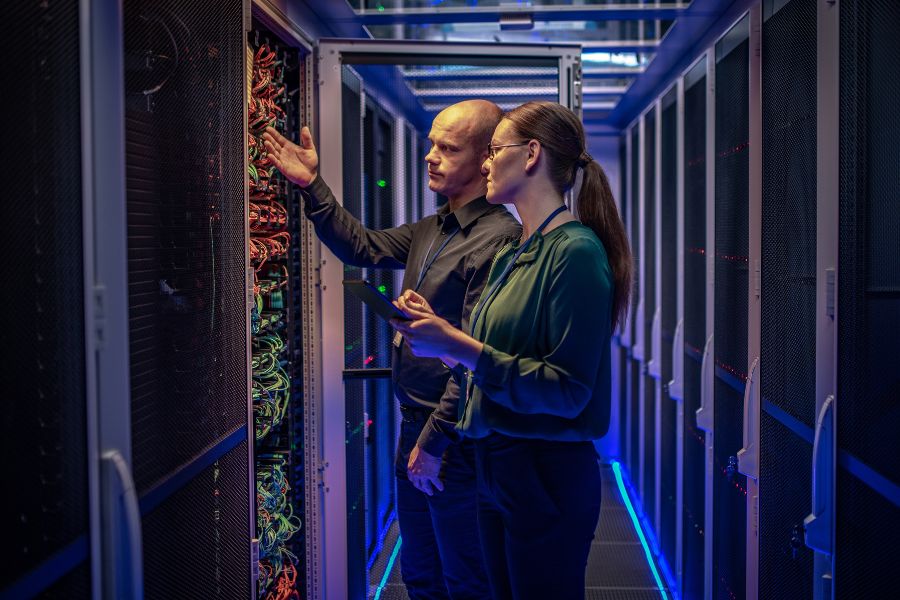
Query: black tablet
374, 299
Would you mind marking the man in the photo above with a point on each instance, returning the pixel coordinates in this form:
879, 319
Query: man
448, 255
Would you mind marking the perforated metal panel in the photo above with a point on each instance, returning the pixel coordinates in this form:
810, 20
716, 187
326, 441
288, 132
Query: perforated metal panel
197, 543
44, 436
634, 399
186, 249
694, 325
731, 281
669, 255
648, 498
868, 312
788, 293
185, 68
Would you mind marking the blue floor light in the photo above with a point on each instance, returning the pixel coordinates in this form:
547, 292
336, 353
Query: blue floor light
388, 568
617, 469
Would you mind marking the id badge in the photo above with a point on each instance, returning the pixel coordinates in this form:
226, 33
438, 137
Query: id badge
398, 339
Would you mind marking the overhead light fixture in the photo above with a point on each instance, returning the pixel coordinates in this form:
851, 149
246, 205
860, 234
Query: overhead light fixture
516, 21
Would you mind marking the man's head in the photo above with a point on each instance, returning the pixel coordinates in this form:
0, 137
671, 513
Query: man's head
459, 138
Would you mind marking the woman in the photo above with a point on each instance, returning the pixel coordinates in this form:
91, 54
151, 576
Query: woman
537, 359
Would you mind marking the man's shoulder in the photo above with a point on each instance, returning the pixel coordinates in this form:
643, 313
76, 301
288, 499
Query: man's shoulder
500, 219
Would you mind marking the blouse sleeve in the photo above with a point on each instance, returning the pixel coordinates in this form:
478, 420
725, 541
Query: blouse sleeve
579, 295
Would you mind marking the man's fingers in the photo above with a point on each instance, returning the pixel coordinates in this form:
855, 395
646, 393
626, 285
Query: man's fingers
306, 139
277, 138
438, 484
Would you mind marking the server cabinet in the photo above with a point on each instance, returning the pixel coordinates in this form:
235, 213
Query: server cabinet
185, 74
633, 386
867, 402
730, 309
49, 431
622, 336
341, 394
648, 383
787, 372
279, 60
694, 172
667, 468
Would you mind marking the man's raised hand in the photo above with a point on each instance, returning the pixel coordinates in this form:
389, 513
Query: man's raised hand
300, 163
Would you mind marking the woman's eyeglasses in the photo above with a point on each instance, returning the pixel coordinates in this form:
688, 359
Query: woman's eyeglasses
492, 149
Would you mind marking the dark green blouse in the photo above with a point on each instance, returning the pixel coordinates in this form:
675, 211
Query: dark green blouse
545, 368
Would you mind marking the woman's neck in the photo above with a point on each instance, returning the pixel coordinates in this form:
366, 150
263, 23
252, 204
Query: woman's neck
533, 211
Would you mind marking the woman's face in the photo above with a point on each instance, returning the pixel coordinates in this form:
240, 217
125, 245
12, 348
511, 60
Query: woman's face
505, 164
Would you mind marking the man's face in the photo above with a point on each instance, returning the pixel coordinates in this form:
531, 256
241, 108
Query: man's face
453, 164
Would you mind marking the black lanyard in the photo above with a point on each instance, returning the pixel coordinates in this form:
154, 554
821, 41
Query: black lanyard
488, 296
426, 263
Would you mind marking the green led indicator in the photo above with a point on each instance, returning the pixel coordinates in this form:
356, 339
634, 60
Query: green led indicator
380, 8
382, 289
382, 183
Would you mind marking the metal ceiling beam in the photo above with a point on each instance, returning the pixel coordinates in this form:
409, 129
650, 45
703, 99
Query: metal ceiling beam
611, 72
535, 73
492, 14
506, 92
494, 73
614, 46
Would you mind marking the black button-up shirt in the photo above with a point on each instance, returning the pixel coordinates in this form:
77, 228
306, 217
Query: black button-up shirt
452, 285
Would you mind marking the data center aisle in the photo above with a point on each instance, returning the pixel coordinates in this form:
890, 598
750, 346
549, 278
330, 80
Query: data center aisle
617, 565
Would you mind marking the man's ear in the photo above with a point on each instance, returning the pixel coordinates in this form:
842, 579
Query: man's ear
535, 152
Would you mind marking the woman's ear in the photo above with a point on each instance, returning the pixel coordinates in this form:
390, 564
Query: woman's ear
534, 156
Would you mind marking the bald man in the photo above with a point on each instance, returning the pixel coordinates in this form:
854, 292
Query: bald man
446, 256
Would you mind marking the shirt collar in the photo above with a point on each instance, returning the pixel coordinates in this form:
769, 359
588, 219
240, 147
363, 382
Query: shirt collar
466, 214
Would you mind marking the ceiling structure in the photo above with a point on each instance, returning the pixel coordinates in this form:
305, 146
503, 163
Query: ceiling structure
631, 49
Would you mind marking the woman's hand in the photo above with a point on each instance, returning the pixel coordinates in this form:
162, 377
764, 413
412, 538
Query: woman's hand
414, 301
428, 335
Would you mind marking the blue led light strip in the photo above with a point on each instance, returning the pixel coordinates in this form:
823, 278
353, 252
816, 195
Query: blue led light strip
388, 568
617, 469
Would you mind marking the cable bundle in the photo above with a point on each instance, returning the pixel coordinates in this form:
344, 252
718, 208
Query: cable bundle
275, 524
271, 386
270, 241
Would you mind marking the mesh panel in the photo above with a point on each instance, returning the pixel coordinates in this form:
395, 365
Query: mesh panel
634, 210
358, 476
693, 509
694, 330
649, 296
695, 217
669, 255
74, 585
634, 466
788, 294
868, 294
731, 281
186, 220
789, 210
635, 371
785, 563
352, 140
43, 326
196, 544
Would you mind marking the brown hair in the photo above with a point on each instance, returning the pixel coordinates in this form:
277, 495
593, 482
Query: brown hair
561, 135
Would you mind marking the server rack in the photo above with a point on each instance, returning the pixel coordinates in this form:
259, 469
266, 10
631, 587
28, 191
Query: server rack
665, 324
694, 294
635, 326
648, 384
52, 499
279, 70
787, 374
188, 338
867, 314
